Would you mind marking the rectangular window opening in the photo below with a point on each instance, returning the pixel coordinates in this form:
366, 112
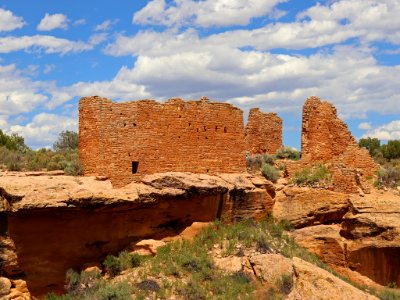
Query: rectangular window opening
135, 165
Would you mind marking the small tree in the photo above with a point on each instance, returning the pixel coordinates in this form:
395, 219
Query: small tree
391, 150
13, 142
372, 145
67, 140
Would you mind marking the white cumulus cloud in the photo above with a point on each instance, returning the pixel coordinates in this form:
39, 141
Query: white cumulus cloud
106, 25
51, 22
204, 13
47, 43
44, 128
364, 126
18, 93
9, 22
390, 131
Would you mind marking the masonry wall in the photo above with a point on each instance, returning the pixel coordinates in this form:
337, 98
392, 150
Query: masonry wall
193, 136
327, 139
263, 132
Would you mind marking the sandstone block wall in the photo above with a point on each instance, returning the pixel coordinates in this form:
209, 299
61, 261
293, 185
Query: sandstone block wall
326, 139
192, 136
263, 132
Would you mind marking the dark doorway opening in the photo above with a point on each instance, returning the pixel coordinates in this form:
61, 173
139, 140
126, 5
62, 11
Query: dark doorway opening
135, 165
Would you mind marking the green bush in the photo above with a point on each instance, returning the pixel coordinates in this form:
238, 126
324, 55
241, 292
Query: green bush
125, 260
288, 153
112, 265
114, 291
72, 164
307, 176
14, 166
270, 173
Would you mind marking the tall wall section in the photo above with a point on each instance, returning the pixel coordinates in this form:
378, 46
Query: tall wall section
193, 136
263, 132
324, 135
327, 139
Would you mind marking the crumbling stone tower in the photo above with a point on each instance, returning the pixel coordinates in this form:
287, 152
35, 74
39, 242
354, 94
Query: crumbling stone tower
263, 132
125, 140
326, 139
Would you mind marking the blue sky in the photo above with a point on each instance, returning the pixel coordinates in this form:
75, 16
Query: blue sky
271, 54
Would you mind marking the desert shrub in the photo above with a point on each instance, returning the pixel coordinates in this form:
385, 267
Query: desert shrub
269, 159
112, 265
53, 296
73, 282
148, 285
11, 159
129, 260
270, 173
389, 177
310, 176
125, 260
387, 294
113, 291
192, 291
14, 166
288, 153
254, 162
72, 164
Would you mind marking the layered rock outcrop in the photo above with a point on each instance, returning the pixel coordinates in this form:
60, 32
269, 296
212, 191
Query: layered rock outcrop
62, 222
358, 237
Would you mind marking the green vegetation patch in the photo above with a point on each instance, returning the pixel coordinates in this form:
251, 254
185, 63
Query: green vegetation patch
16, 156
311, 176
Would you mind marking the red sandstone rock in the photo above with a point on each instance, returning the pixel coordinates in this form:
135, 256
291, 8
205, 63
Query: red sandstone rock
63, 222
147, 246
306, 207
190, 232
5, 286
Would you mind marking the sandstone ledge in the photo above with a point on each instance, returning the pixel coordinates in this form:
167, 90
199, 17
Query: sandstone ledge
22, 191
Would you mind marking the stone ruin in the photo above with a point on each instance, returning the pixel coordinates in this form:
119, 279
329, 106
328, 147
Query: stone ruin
327, 140
123, 141
263, 132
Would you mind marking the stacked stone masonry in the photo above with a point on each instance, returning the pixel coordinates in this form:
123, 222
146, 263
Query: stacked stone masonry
263, 132
327, 140
125, 140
